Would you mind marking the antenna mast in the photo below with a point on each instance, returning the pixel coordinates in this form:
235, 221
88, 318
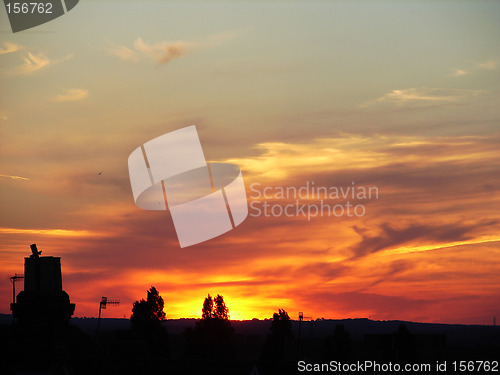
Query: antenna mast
102, 305
13, 280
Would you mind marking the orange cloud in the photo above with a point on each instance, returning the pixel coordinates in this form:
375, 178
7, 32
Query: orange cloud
10, 47
355, 152
34, 63
50, 232
428, 242
19, 178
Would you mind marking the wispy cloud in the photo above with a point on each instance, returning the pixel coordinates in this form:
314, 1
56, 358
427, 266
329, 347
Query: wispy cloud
459, 73
34, 63
10, 47
484, 65
278, 160
14, 177
223, 37
488, 65
71, 95
51, 232
162, 52
123, 53
424, 96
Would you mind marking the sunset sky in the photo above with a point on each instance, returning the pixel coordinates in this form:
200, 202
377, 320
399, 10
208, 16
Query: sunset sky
398, 95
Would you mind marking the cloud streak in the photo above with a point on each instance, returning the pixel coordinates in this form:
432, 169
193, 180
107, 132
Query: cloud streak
459, 73
390, 237
124, 53
277, 160
50, 232
487, 65
10, 47
484, 65
18, 178
164, 52
425, 96
34, 63
161, 52
71, 95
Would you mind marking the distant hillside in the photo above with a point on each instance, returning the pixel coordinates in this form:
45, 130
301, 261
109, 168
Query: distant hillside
456, 334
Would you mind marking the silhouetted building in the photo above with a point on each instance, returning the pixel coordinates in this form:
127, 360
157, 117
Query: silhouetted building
43, 299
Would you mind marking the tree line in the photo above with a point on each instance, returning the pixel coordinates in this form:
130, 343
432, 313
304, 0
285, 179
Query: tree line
213, 336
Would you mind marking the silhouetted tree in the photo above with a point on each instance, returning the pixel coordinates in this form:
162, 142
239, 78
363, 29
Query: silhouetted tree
146, 319
279, 347
220, 311
148, 312
208, 306
214, 308
281, 327
213, 335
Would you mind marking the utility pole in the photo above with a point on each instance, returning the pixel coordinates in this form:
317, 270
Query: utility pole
13, 280
301, 316
102, 305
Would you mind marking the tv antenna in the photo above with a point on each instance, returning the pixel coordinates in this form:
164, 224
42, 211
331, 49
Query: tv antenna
301, 318
102, 305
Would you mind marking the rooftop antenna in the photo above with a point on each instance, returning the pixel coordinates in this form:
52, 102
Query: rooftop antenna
102, 305
301, 318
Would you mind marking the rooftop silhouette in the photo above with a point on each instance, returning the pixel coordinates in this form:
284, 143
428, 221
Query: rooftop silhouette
43, 301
